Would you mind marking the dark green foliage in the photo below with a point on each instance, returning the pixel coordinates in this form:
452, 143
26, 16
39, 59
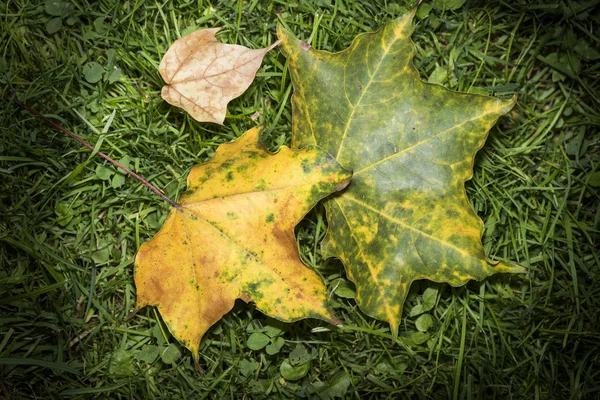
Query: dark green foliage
69, 230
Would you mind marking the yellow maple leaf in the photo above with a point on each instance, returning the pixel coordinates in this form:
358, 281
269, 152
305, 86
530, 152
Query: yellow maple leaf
232, 236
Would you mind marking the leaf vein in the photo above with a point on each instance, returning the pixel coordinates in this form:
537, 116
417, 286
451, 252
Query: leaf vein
405, 225
355, 106
427, 139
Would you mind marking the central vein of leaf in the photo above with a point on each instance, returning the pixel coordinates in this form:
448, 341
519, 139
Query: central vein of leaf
364, 90
427, 139
405, 225
195, 271
183, 62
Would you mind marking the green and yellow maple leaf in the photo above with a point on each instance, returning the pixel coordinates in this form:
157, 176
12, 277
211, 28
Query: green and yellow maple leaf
411, 145
232, 236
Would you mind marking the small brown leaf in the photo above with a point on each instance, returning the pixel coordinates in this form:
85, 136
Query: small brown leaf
203, 75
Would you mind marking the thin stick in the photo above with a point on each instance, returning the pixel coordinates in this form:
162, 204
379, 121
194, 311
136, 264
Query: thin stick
101, 154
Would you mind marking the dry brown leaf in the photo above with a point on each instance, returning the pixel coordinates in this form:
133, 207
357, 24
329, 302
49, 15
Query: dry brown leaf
203, 75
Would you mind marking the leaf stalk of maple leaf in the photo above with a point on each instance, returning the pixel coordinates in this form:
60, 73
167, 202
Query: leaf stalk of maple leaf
101, 154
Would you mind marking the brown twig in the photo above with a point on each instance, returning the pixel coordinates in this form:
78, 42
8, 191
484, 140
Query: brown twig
101, 154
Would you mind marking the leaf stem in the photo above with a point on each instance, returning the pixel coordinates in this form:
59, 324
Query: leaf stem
101, 154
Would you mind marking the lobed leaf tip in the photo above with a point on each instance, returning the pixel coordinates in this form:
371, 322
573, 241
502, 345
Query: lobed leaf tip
413, 11
512, 268
394, 331
281, 31
288, 41
518, 269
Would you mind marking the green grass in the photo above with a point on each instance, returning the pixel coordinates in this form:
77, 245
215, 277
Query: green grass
70, 224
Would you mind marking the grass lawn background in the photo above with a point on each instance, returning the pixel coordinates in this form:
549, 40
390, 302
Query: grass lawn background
70, 223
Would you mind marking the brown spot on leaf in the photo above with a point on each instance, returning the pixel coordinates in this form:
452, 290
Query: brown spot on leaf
155, 288
342, 185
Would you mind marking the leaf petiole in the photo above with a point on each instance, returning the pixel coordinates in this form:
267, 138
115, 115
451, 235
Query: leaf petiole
101, 154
